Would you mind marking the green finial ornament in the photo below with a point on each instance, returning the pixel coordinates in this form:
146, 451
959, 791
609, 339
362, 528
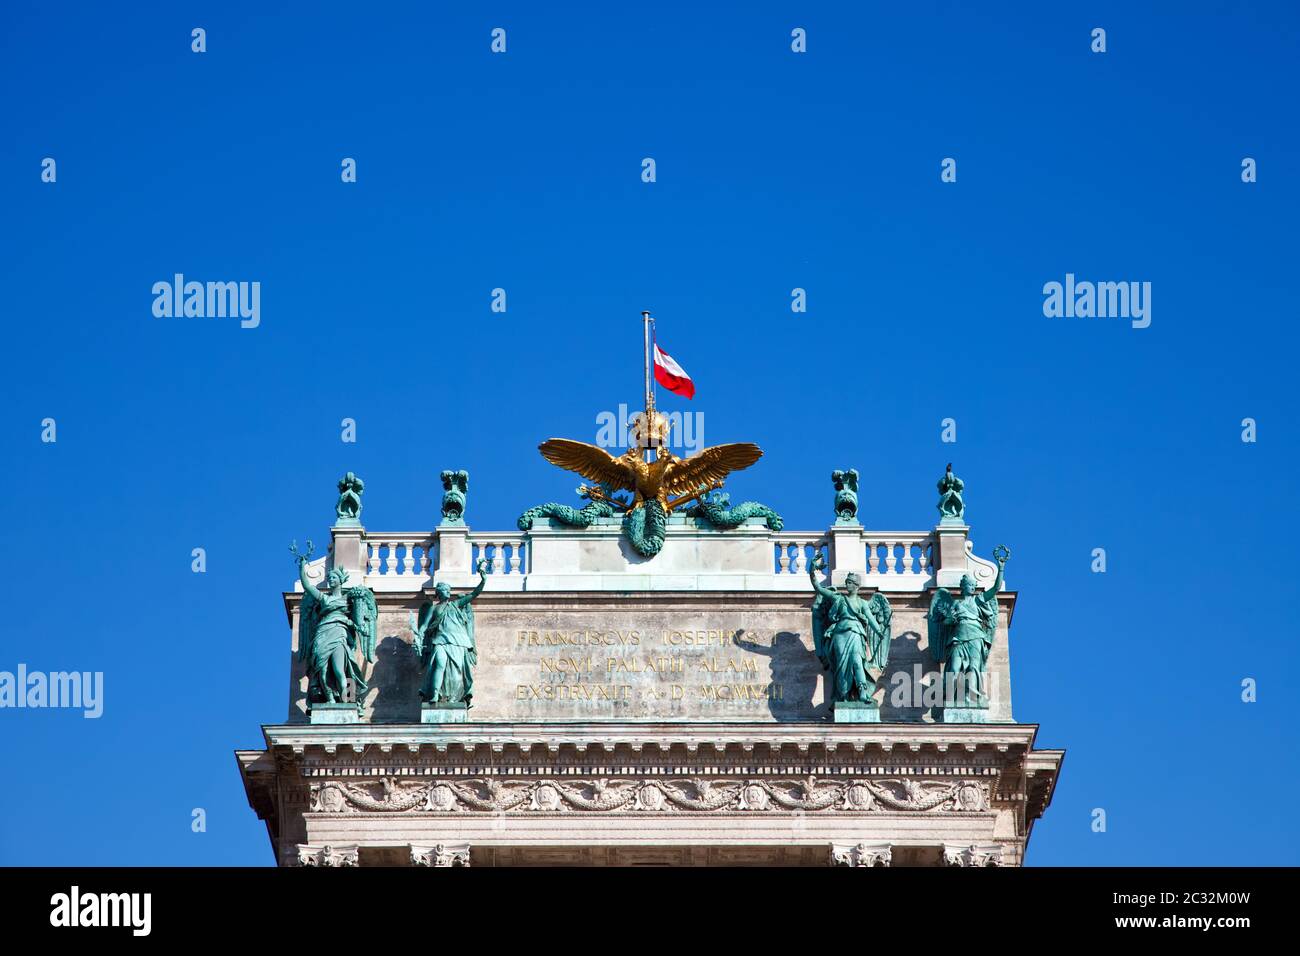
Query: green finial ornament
952, 507
334, 625
444, 644
846, 496
455, 486
348, 507
850, 636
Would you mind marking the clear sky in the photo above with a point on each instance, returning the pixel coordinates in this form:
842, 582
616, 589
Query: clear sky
774, 171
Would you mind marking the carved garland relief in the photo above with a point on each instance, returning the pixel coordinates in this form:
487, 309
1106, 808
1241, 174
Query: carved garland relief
697, 794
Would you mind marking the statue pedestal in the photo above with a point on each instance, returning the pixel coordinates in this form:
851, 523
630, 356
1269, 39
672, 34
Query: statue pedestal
949, 552
965, 715
335, 714
349, 548
854, 712
444, 713
848, 556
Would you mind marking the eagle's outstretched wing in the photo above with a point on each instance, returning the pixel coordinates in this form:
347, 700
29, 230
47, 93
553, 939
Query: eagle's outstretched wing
712, 464
591, 462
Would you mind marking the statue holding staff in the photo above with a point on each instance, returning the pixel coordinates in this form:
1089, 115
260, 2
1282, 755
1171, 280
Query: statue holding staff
444, 644
333, 625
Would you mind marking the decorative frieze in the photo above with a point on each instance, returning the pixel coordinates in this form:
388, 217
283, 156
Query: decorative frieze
697, 794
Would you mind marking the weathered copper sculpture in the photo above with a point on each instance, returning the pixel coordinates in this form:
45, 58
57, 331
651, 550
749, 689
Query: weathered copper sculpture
657, 486
851, 636
333, 626
951, 505
961, 633
444, 644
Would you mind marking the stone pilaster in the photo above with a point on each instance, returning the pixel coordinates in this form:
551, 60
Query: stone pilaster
327, 855
950, 554
441, 854
861, 854
976, 854
454, 554
848, 552
349, 550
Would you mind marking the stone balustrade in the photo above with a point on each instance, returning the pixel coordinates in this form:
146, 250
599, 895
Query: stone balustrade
554, 557
406, 555
504, 553
898, 553
795, 550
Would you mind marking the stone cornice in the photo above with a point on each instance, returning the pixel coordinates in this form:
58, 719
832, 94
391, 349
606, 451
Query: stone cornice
607, 735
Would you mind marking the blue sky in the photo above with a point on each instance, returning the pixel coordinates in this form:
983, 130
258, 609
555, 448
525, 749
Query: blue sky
774, 170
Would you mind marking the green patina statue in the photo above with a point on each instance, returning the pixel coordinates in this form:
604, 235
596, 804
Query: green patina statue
597, 506
951, 505
850, 635
348, 508
961, 633
333, 625
444, 644
715, 508
455, 486
646, 528
846, 495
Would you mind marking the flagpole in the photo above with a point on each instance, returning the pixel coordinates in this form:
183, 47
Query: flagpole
649, 384
649, 379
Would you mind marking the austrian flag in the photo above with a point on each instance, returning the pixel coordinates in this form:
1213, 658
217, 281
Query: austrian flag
671, 375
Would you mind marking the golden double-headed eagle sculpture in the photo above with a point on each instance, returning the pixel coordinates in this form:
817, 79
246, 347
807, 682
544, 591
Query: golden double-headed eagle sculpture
669, 480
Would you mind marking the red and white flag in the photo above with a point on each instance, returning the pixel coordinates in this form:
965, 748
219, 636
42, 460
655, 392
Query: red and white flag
671, 375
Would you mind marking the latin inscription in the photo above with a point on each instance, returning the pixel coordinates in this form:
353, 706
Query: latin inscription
699, 666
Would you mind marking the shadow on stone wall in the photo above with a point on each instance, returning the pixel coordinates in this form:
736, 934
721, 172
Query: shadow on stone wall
394, 683
794, 666
904, 654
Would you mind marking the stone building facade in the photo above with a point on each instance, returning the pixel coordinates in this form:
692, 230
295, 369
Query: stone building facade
664, 711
